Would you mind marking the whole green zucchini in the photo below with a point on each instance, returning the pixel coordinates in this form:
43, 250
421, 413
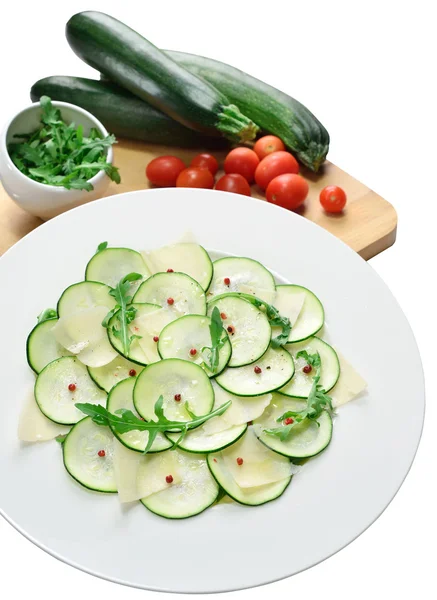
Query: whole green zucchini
274, 111
134, 63
122, 113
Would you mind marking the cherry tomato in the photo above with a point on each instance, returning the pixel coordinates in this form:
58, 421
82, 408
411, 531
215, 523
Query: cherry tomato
205, 161
233, 183
268, 144
243, 161
195, 177
288, 190
273, 165
164, 170
333, 198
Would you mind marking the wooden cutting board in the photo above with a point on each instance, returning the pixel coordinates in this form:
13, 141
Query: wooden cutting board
368, 225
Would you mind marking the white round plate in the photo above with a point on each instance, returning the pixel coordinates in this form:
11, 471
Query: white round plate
228, 547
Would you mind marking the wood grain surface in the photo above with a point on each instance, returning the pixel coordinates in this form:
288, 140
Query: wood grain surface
368, 225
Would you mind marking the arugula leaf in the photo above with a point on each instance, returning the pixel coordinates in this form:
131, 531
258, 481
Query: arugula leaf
61, 438
101, 246
313, 360
124, 420
124, 310
50, 114
273, 315
317, 402
45, 315
218, 339
61, 155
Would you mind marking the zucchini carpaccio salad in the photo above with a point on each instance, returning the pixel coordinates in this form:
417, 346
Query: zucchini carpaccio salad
180, 381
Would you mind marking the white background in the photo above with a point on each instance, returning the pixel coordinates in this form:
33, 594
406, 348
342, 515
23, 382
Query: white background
368, 71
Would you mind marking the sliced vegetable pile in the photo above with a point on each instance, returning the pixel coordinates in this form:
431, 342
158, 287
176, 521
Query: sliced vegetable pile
174, 380
61, 155
155, 96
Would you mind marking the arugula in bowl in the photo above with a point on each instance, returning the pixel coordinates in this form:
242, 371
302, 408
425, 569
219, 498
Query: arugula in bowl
61, 155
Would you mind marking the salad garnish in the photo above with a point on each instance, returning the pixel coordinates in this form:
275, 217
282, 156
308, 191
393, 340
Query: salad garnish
273, 315
317, 402
124, 420
101, 246
124, 310
218, 339
45, 315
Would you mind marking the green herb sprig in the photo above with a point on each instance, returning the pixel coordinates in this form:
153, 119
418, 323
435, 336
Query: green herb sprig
218, 339
273, 315
45, 315
101, 246
59, 154
124, 310
317, 402
313, 360
124, 420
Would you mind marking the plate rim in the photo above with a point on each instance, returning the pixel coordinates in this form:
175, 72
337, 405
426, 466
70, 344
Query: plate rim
420, 405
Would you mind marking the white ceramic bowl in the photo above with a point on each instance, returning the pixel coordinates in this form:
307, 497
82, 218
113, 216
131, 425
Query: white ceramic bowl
41, 200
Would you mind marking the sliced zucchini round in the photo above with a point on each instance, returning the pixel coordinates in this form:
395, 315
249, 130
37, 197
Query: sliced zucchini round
143, 350
189, 494
121, 396
81, 456
245, 274
199, 442
54, 398
248, 327
84, 295
111, 374
277, 368
305, 440
42, 347
112, 264
303, 308
258, 476
217, 433
188, 258
193, 331
187, 295
300, 385
82, 334
172, 378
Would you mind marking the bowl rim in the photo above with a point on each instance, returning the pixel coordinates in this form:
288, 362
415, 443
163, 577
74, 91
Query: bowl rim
45, 186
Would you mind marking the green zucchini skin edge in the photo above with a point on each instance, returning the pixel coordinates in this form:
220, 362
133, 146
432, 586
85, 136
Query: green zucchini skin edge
122, 113
274, 111
134, 63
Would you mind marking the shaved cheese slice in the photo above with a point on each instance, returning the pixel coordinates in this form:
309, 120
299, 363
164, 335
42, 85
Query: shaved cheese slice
187, 237
33, 426
126, 463
148, 326
226, 500
98, 354
289, 305
149, 261
266, 295
81, 333
80, 329
185, 257
242, 410
349, 385
155, 321
139, 476
260, 465
153, 470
